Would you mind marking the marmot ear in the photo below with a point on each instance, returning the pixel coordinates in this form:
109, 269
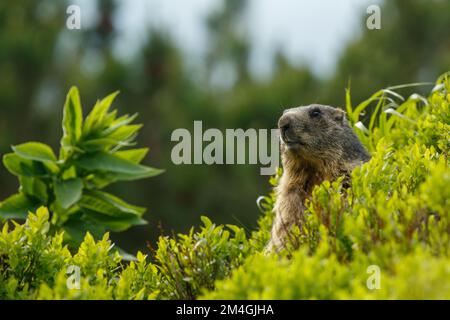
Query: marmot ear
339, 116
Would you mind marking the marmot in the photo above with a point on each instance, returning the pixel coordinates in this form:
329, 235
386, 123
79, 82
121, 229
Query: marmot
317, 144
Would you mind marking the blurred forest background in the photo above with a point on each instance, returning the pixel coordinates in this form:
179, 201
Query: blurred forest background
40, 59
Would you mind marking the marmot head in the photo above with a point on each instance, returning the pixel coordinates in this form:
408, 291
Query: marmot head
318, 133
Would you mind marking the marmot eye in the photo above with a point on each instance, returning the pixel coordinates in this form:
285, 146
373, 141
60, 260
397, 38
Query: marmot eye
315, 113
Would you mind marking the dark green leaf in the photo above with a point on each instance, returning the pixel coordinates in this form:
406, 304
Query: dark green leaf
68, 192
98, 145
103, 161
100, 180
116, 224
17, 207
108, 204
150, 172
34, 187
78, 224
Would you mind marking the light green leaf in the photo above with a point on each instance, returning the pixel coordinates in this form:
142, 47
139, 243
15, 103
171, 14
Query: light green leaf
120, 122
69, 173
68, 192
98, 114
23, 167
72, 118
125, 133
35, 151
133, 155
206, 221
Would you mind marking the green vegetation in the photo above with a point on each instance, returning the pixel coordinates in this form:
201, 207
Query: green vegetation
40, 59
394, 216
90, 158
36, 265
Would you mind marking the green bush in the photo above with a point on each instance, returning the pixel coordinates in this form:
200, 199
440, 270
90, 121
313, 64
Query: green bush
395, 216
36, 264
393, 221
70, 185
194, 261
419, 275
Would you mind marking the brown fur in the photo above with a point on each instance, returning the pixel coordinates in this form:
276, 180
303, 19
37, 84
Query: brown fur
317, 144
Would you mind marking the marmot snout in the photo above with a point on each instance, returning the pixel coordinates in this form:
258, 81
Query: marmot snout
317, 144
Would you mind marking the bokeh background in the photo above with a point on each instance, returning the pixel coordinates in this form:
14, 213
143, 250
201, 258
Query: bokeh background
231, 64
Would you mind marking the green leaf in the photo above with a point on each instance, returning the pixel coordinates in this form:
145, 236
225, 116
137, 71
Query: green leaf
34, 187
69, 173
78, 224
124, 133
35, 151
99, 180
102, 179
150, 172
120, 122
103, 161
95, 119
72, 119
134, 155
95, 145
68, 192
206, 221
109, 119
108, 204
116, 224
17, 207
348, 103
354, 117
23, 167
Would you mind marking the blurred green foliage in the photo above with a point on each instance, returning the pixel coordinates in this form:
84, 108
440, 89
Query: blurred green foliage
40, 60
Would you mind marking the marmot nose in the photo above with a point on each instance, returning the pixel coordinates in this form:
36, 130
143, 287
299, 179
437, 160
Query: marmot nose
284, 123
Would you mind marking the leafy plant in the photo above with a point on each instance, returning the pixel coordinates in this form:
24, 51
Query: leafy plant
91, 157
194, 261
36, 264
417, 275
